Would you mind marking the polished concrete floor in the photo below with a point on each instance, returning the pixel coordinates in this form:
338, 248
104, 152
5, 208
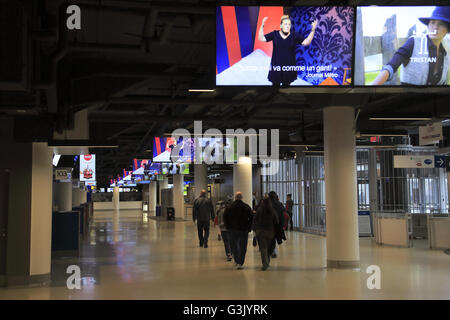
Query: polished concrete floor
128, 256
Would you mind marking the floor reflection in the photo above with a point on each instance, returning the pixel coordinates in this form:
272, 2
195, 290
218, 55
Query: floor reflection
128, 255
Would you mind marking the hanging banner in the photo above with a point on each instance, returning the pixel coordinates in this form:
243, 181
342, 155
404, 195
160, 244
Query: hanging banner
87, 167
430, 134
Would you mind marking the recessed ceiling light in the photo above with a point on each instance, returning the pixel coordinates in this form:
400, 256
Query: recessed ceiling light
202, 90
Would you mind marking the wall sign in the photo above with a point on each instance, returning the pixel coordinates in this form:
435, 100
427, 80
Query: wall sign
430, 134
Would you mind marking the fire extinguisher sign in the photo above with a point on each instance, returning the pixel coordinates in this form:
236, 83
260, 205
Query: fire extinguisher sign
87, 167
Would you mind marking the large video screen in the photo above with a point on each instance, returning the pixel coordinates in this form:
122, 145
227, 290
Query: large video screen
217, 150
402, 46
145, 167
164, 148
174, 168
284, 46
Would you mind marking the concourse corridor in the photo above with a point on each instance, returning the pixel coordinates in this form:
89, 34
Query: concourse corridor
129, 256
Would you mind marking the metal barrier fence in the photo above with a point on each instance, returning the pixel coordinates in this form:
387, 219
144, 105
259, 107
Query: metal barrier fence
283, 183
419, 192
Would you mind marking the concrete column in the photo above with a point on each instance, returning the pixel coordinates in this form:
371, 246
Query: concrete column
341, 192
200, 178
164, 184
75, 197
79, 197
28, 254
152, 198
178, 197
26, 210
63, 196
41, 210
116, 199
242, 179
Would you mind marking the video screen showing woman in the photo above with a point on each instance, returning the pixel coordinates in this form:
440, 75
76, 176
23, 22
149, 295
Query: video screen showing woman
282, 66
284, 46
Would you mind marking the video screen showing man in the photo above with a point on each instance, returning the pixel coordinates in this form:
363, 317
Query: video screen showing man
417, 53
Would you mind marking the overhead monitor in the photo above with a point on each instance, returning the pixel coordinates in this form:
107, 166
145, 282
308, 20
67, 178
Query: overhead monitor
171, 150
284, 46
402, 46
174, 168
137, 178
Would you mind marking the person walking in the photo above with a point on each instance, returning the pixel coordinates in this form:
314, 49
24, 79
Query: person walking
223, 229
265, 222
203, 212
254, 205
289, 205
238, 221
279, 233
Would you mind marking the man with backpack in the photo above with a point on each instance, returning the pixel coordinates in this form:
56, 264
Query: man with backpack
238, 221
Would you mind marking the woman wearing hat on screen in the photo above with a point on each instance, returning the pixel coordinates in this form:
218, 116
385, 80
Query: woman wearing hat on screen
283, 54
425, 61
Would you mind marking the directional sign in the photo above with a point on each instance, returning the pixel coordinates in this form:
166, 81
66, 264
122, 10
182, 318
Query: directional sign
440, 161
414, 161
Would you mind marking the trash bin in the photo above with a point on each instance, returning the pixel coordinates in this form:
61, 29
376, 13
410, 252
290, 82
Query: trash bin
158, 211
170, 213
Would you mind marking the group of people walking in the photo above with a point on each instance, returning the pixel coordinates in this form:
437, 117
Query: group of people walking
236, 219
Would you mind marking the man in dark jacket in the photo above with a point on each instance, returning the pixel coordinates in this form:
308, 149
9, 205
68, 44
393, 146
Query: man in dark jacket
203, 211
238, 220
265, 222
279, 209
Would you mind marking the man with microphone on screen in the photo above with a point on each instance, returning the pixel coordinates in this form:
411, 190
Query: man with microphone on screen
283, 64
